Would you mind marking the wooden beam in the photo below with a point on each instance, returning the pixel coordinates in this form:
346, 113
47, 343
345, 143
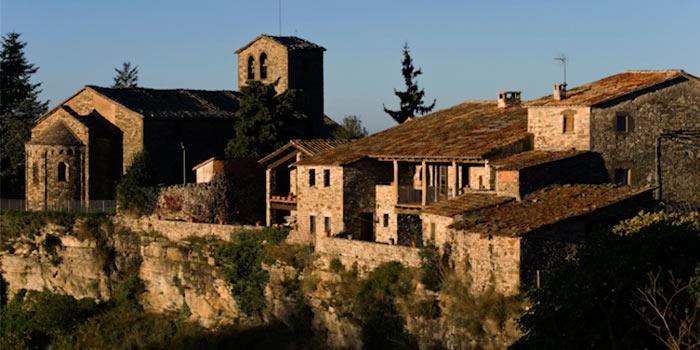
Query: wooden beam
455, 183
282, 160
396, 181
423, 184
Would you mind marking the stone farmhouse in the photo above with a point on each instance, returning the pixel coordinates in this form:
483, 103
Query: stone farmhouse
506, 189
281, 177
79, 150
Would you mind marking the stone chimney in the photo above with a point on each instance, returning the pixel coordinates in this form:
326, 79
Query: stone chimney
559, 91
508, 98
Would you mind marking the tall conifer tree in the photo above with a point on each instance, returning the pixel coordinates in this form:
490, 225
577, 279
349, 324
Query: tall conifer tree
19, 108
411, 100
127, 76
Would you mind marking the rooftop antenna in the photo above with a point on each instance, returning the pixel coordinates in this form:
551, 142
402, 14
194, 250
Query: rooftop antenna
563, 59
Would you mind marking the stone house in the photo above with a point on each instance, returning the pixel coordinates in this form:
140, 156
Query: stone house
492, 182
79, 150
281, 178
644, 123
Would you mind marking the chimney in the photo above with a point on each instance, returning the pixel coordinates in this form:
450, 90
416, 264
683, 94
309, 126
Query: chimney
508, 98
559, 91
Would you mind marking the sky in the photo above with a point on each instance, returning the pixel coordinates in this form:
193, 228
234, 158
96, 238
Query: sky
467, 49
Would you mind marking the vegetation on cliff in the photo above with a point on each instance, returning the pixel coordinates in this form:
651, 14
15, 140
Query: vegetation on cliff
634, 288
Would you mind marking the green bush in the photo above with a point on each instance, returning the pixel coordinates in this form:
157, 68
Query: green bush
14, 223
135, 191
337, 265
383, 327
240, 261
431, 269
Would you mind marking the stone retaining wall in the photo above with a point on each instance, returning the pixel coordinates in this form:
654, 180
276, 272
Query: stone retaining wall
179, 230
368, 255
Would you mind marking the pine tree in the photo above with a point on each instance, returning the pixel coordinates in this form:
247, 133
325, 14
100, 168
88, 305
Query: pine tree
350, 128
411, 100
127, 76
264, 120
19, 108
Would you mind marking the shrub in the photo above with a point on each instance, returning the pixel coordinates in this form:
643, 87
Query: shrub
382, 325
336, 265
135, 191
431, 268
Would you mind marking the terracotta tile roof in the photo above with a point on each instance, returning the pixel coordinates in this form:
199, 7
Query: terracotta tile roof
531, 158
309, 147
465, 203
291, 42
56, 134
469, 130
545, 207
612, 87
174, 103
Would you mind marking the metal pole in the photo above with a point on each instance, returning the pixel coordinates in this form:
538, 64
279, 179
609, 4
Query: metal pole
538, 279
184, 166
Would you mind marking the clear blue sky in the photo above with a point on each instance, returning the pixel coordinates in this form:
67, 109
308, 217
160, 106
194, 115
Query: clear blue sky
467, 49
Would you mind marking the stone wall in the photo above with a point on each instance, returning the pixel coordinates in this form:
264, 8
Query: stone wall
320, 202
670, 107
43, 188
359, 191
277, 63
367, 255
179, 230
386, 205
547, 124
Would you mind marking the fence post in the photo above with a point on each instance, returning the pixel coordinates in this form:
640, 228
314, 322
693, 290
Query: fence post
537, 283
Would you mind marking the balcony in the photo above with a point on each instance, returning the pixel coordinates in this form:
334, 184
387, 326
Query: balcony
288, 202
410, 196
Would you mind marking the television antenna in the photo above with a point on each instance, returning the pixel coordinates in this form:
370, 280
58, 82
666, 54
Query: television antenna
563, 59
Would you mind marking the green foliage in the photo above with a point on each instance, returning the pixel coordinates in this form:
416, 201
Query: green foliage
337, 266
383, 327
411, 100
126, 76
33, 320
431, 268
135, 191
14, 223
264, 120
19, 108
240, 261
350, 128
428, 308
591, 302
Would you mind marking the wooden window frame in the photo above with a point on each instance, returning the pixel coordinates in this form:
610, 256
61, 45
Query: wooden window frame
625, 119
568, 124
620, 173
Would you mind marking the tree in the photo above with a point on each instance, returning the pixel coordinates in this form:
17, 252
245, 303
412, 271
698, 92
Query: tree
593, 301
126, 77
264, 120
411, 100
135, 191
350, 128
19, 108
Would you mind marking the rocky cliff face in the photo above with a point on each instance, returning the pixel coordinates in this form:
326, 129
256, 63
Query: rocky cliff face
183, 277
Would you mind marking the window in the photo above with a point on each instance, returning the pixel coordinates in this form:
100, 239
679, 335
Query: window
312, 224
623, 176
568, 123
326, 178
621, 123
312, 177
327, 225
263, 66
386, 220
251, 68
62, 170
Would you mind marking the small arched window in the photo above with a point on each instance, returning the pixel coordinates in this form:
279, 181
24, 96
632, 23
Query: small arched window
251, 68
62, 171
263, 66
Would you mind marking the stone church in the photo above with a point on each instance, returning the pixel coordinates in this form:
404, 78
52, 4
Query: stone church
79, 150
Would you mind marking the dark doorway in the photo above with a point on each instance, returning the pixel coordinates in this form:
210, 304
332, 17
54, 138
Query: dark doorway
366, 227
410, 230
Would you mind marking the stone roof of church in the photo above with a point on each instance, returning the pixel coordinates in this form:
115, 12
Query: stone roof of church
470, 130
290, 42
614, 87
174, 103
56, 134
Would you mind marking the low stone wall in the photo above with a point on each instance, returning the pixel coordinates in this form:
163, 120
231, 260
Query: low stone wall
368, 255
179, 230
